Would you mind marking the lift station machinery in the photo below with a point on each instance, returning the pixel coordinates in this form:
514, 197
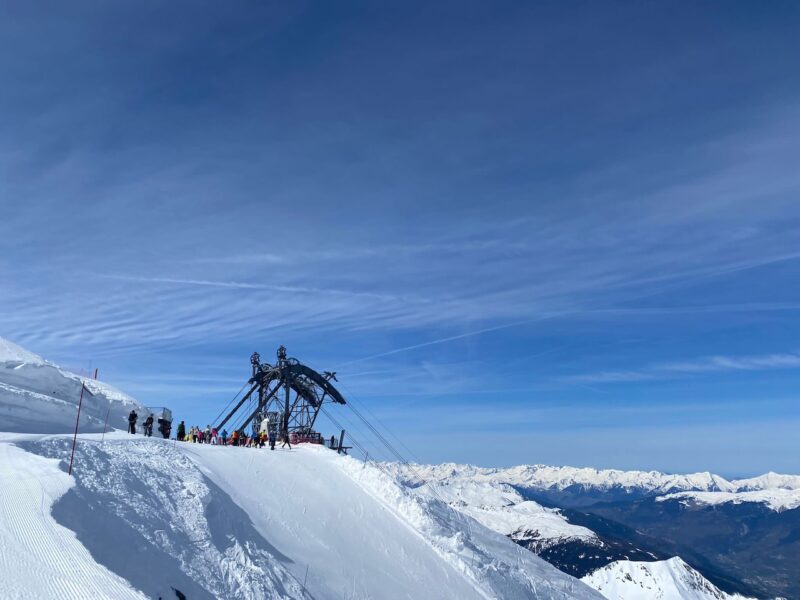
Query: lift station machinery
288, 394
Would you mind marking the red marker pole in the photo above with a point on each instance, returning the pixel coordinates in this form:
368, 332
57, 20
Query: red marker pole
105, 426
75, 435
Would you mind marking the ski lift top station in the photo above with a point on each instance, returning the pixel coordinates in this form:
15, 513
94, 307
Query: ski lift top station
289, 394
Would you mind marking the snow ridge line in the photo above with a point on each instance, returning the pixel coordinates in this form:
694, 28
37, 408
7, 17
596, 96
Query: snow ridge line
467, 573
482, 553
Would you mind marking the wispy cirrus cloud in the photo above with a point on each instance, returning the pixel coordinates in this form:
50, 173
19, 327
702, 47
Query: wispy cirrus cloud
701, 365
733, 363
240, 285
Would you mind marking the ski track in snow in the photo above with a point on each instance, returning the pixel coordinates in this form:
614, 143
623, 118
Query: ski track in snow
146, 512
38, 557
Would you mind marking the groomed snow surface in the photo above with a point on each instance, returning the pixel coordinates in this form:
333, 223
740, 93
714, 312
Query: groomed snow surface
38, 557
141, 516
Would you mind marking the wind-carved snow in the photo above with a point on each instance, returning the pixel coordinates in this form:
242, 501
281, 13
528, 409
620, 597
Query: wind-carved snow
11, 352
37, 396
145, 511
669, 579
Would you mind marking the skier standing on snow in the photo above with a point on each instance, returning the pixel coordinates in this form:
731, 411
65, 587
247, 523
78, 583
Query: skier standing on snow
148, 426
181, 431
132, 422
224, 435
271, 439
286, 438
263, 431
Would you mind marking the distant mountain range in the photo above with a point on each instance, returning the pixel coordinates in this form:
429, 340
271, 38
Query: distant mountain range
742, 535
578, 486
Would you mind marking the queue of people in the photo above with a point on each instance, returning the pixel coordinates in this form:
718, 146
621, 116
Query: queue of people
265, 436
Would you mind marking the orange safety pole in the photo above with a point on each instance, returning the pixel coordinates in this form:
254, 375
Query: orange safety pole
75, 435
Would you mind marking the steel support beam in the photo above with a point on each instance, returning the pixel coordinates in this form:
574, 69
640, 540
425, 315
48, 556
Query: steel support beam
237, 407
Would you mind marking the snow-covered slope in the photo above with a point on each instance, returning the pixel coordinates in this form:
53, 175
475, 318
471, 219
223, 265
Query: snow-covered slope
39, 397
669, 579
768, 481
501, 508
224, 522
38, 557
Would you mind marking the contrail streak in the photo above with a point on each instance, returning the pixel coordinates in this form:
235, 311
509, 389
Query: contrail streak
453, 338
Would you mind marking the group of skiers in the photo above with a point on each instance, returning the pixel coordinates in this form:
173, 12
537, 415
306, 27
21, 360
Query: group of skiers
147, 425
201, 436
164, 425
210, 435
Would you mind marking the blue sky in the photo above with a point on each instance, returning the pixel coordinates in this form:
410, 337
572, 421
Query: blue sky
560, 233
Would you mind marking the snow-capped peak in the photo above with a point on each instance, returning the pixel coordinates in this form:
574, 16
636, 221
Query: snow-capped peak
549, 478
774, 499
560, 478
768, 481
669, 579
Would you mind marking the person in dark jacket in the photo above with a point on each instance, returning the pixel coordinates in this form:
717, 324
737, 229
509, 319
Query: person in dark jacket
286, 438
224, 435
181, 431
165, 427
132, 422
148, 426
